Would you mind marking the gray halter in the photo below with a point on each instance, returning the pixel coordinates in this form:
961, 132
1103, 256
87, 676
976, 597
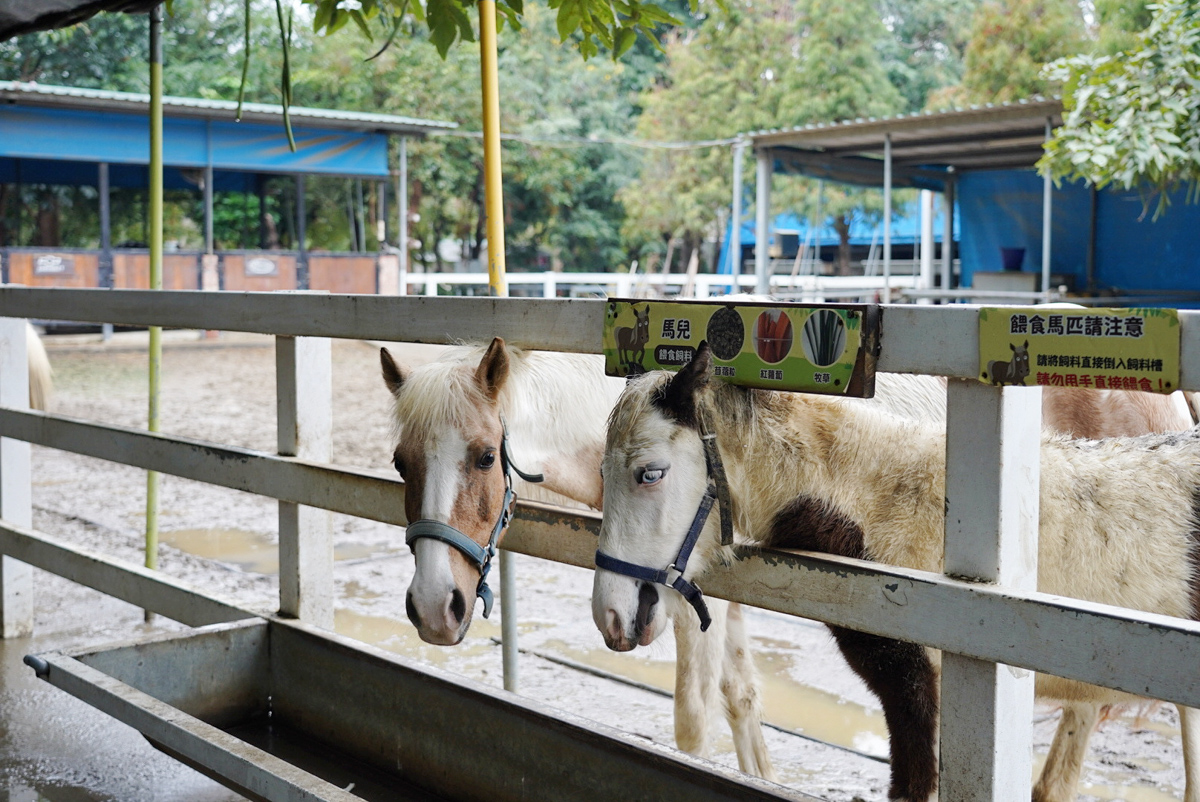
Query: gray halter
480, 556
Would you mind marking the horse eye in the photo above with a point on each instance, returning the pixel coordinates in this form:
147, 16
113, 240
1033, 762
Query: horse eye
399, 465
487, 460
650, 475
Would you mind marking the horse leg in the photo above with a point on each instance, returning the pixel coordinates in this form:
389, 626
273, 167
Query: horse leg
902, 676
741, 688
697, 662
1059, 781
1189, 728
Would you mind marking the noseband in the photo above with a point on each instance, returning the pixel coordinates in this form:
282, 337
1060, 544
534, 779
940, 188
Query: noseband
672, 576
479, 556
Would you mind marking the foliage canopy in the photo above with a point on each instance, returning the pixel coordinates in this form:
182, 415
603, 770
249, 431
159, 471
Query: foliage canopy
1133, 120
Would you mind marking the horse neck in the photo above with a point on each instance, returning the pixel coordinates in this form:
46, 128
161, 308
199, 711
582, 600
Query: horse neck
854, 459
556, 406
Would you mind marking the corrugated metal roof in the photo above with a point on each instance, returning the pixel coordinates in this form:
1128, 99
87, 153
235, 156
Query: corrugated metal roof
137, 103
985, 137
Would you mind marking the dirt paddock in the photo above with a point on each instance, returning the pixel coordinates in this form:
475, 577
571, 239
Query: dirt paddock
53, 748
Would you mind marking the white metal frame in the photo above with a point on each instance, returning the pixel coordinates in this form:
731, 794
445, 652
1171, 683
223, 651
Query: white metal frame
988, 614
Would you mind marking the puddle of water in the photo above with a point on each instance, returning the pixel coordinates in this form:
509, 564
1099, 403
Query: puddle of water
401, 637
786, 703
253, 551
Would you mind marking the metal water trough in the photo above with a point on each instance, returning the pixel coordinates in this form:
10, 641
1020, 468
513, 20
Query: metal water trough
278, 710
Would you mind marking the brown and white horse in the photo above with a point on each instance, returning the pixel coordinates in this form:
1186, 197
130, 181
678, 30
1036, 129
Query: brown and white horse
821, 474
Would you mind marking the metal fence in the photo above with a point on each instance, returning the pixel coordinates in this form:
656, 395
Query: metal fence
989, 620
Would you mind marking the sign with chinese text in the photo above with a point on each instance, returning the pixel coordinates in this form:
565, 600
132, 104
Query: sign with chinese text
779, 346
1104, 349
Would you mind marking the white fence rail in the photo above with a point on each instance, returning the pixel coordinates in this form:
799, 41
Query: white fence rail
701, 285
999, 618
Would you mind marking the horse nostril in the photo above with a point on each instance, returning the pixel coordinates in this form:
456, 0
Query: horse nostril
411, 609
647, 599
458, 605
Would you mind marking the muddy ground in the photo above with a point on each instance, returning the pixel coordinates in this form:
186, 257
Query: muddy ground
56, 749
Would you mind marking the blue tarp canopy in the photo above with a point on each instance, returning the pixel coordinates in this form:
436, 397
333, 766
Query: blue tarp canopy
57, 135
906, 230
65, 145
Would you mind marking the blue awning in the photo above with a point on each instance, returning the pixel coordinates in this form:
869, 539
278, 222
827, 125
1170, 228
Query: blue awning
64, 144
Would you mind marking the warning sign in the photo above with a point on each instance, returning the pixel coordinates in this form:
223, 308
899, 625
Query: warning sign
1104, 349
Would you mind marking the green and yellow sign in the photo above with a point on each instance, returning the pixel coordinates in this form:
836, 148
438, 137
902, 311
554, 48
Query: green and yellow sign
1104, 349
810, 348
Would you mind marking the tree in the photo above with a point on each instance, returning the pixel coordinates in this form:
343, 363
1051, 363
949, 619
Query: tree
926, 49
588, 24
1134, 120
1010, 42
762, 65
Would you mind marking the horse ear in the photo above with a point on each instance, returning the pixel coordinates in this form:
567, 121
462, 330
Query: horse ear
393, 375
492, 372
1012, 348
678, 398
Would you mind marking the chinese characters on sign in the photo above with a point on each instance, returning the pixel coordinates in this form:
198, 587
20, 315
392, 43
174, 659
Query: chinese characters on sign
1104, 349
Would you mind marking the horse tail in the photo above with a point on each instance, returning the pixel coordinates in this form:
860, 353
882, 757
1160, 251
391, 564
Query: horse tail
41, 383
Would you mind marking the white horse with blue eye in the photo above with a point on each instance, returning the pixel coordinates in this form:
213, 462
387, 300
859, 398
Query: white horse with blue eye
846, 478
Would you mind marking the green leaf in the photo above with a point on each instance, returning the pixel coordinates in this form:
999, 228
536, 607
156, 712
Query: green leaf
623, 40
361, 22
324, 14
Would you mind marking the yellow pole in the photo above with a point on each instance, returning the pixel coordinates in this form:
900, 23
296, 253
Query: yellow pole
156, 256
492, 181
497, 286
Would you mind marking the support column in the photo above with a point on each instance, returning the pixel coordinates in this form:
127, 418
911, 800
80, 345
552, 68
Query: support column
1047, 190
948, 234
106, 255
735, 230
302, 278
155, 224
992, 480
402, 215
304, 387
260, 189
762, 202
887, 218
16, 487
105, 267
926, 282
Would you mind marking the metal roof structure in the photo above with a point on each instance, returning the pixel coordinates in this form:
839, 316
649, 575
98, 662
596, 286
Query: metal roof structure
64, 97
925, 146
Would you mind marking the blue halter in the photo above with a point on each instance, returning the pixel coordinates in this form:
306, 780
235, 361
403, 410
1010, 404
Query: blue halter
480, 556
672, 575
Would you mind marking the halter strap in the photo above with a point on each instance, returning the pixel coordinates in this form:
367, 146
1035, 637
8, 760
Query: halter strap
672, 575
717, 491
480, 556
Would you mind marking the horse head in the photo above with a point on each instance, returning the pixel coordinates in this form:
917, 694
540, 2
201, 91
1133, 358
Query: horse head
655, 481
450, 453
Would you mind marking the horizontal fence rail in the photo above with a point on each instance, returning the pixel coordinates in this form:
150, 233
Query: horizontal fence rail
939, 340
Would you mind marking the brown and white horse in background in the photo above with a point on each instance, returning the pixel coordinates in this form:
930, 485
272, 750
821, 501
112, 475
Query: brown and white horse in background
448, 419
844, 478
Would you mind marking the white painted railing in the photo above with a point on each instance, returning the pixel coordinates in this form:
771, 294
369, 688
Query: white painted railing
989, 615
627, 285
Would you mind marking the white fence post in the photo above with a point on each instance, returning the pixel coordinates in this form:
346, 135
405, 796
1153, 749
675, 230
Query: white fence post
304, 387
993, 439
16, 485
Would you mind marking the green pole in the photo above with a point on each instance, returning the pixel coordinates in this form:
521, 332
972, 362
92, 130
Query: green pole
156, 256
